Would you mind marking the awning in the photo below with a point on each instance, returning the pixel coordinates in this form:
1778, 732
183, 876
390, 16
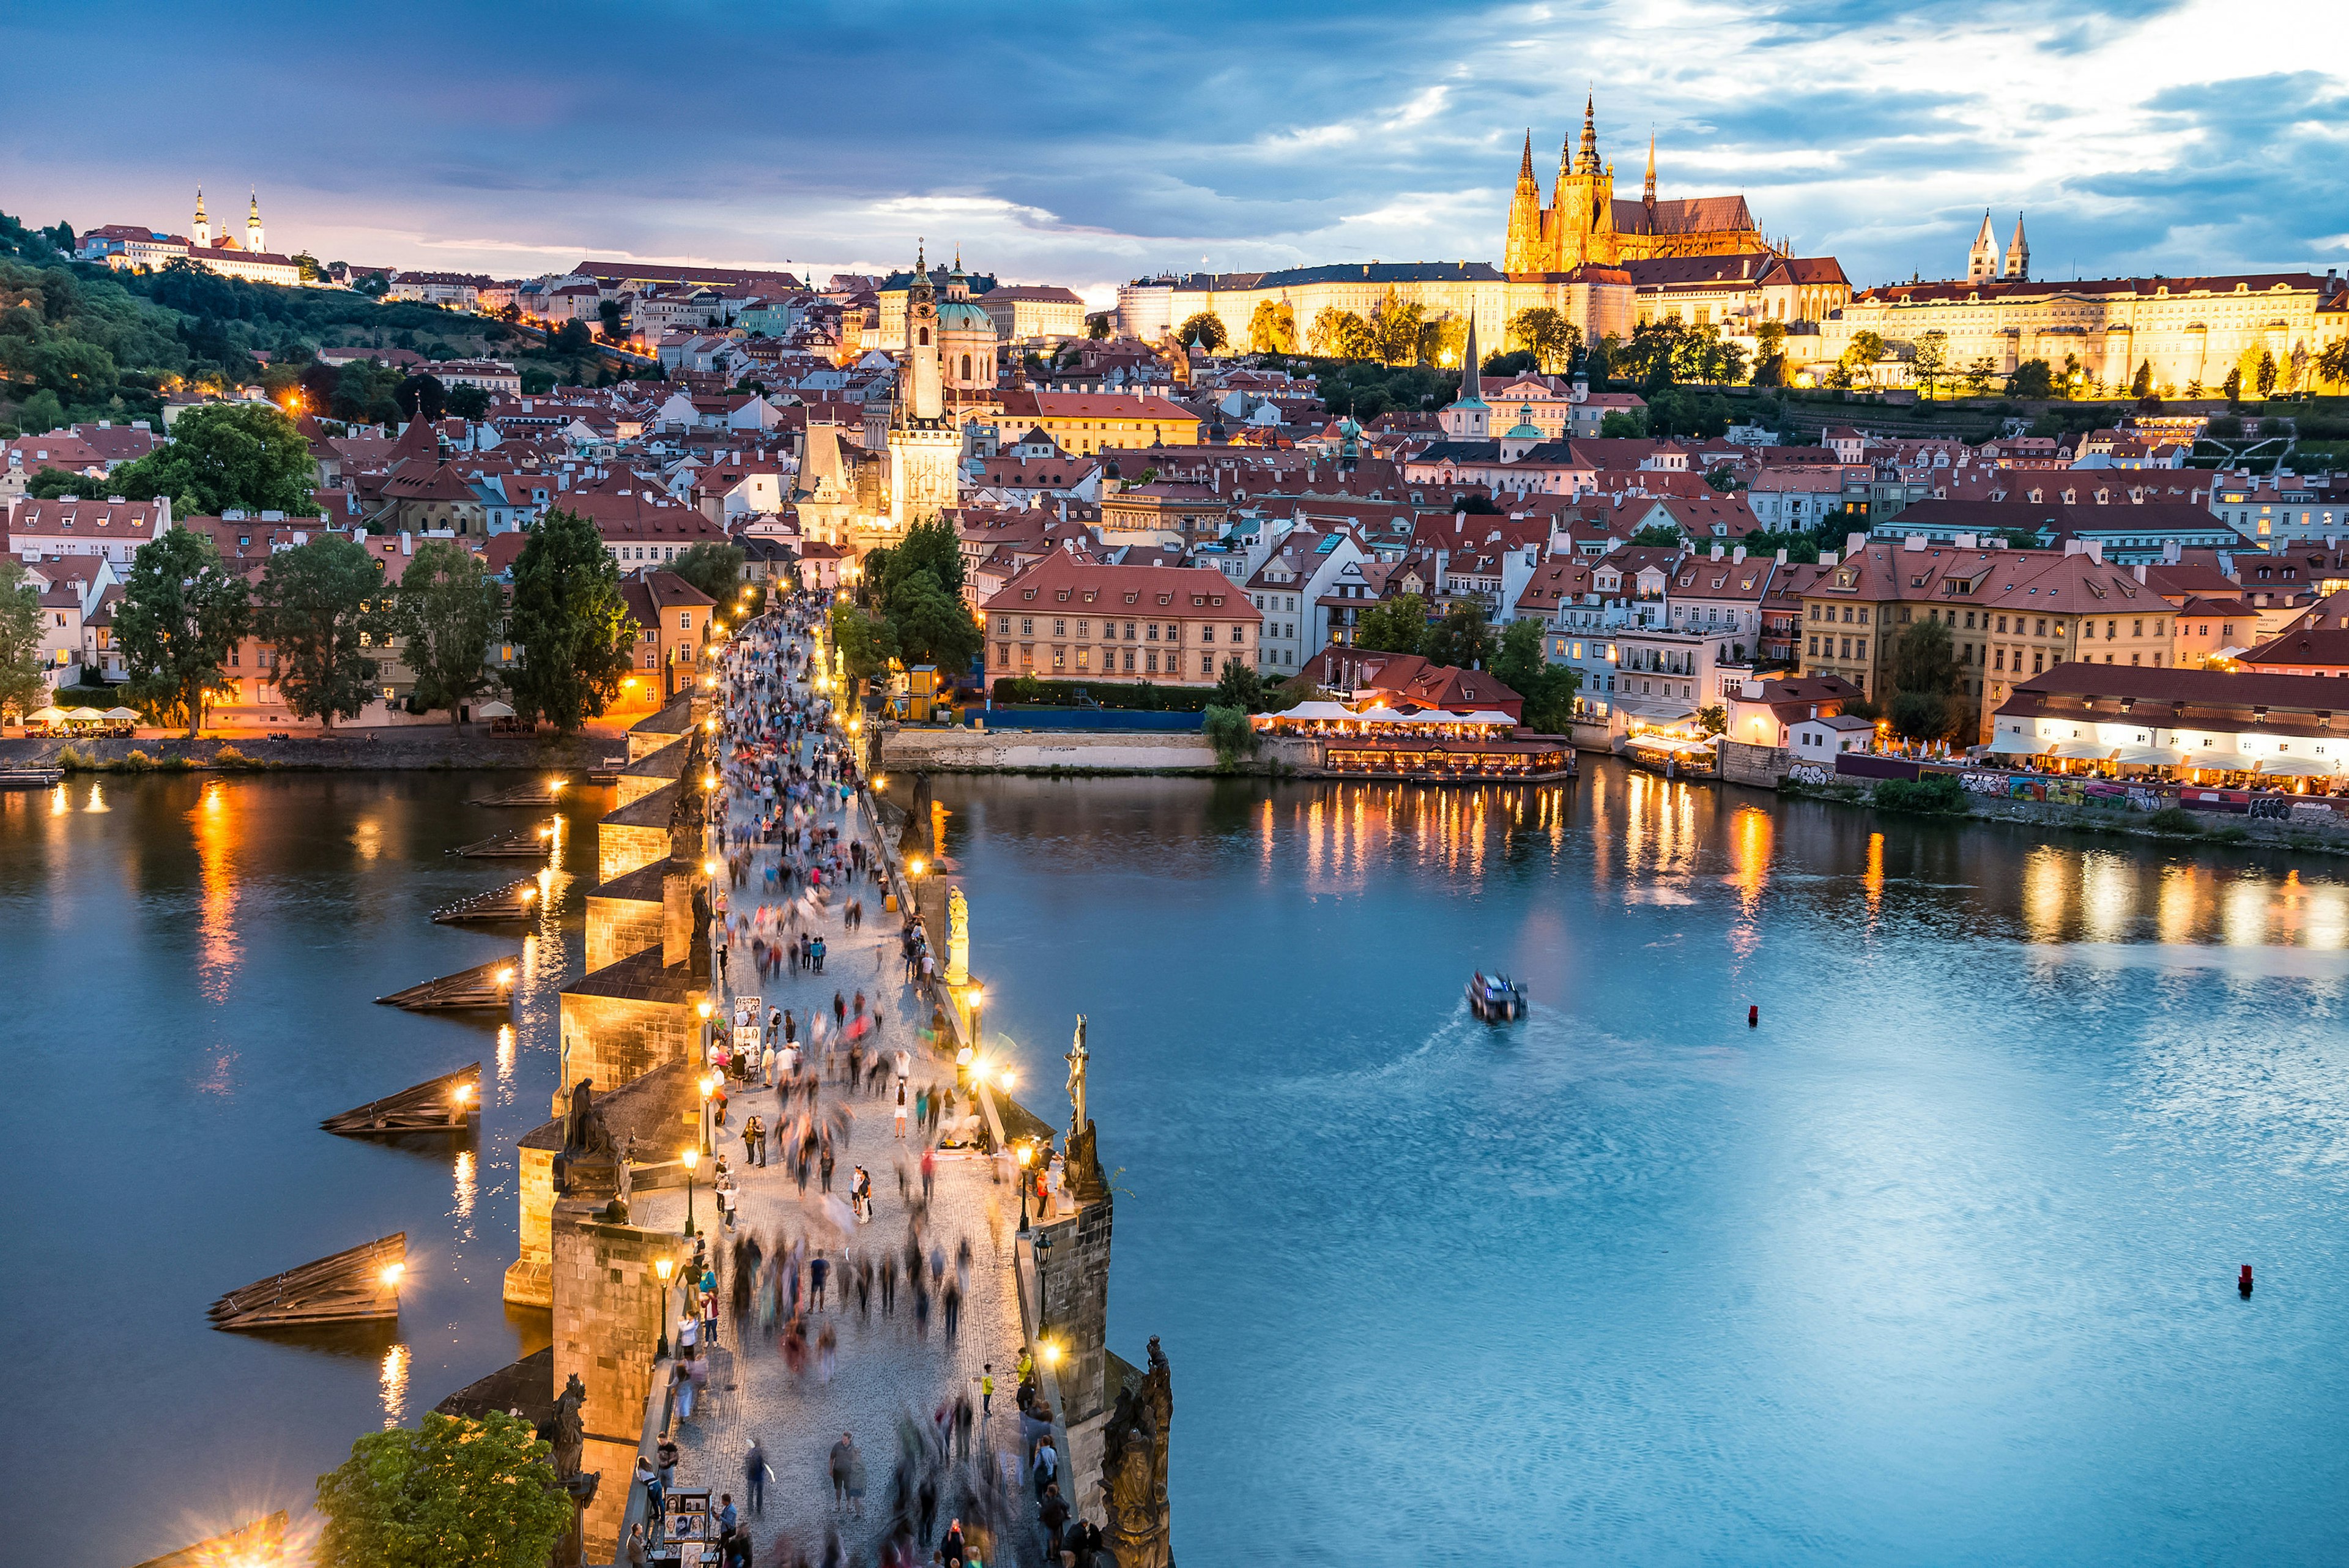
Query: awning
2082, 750
2298, 767
2020, 745
2149, 756
494, 710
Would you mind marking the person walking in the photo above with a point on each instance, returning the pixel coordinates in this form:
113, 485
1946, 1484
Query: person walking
843, 1452
756, 1474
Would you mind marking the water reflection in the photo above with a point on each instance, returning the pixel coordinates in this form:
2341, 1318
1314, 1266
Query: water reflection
393, 1377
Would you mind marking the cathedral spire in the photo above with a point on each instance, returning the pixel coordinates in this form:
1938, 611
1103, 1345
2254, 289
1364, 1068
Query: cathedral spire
1648, 193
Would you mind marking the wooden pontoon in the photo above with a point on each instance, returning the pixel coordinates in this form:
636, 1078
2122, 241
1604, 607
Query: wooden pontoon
514, 844
362, 1282
517, 901
441, 1105
484, 985
538, 792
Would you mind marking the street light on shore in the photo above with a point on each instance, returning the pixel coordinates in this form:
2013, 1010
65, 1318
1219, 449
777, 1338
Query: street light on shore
1027, 1153
692, 1157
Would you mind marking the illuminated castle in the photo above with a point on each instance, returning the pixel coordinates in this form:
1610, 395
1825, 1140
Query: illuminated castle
1586, 224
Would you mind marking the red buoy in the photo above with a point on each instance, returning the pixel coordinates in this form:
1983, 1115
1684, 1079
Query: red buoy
1754, 1016
2244, 1283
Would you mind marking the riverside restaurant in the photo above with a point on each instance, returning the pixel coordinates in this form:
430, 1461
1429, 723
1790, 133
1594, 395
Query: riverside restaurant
1427, 745
2188, 726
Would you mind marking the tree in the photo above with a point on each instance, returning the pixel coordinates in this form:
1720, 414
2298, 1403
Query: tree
1204, 329
1932, 365
1547, 689
1398, 625
444, 614
1660, 536
454, 1490
714, 568
229, 454
183, 609
1239, 685
1553, 339
469, 401
1926, 676
422, 396
1462, 639
2032, 379
1394, 329
1273, 329
23, 687
318, 605
569, 620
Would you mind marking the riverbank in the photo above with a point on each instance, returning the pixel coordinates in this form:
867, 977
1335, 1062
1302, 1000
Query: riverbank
366, 750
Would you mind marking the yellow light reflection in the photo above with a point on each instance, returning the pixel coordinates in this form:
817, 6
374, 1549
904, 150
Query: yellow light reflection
394, 1380
217, 944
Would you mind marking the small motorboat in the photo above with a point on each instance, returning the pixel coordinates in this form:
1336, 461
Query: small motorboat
1496, 998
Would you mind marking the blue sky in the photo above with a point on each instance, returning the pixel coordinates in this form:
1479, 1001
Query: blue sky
1085, 144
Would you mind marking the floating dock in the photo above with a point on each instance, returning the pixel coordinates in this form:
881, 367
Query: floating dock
441, 1105
517, 901
362, 1282
485, 985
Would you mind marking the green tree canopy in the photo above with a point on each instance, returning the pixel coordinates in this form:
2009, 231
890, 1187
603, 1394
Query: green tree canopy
1398, 625
224, 455
454, 1493
570, 622
1203, 328
23, 686
1521, 664
183, 609
445, 612
1462, 638
318, 605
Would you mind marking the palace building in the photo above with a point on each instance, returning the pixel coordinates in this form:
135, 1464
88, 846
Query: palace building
1603, 262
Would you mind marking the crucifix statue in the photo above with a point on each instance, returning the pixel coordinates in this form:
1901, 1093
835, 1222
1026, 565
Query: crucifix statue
1076, 1059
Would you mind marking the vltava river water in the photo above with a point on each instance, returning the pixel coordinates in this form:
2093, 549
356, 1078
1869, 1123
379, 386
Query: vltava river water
1935, 1266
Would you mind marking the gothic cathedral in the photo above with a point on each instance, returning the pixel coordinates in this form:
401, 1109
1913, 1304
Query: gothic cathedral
1585, 225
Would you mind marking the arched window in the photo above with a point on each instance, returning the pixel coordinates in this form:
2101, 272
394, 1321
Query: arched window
926, 336
966, 366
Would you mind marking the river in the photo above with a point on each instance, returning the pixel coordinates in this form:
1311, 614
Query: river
1935, 1266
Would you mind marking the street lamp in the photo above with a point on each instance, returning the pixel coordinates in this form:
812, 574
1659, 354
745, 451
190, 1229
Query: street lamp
692, 1157
1027, 1153
664, 1267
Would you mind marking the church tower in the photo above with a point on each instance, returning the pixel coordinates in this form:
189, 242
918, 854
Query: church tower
201, 231
2018, 253
925, 446
253, 226
1525, 252
1468, 417
1981, 263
